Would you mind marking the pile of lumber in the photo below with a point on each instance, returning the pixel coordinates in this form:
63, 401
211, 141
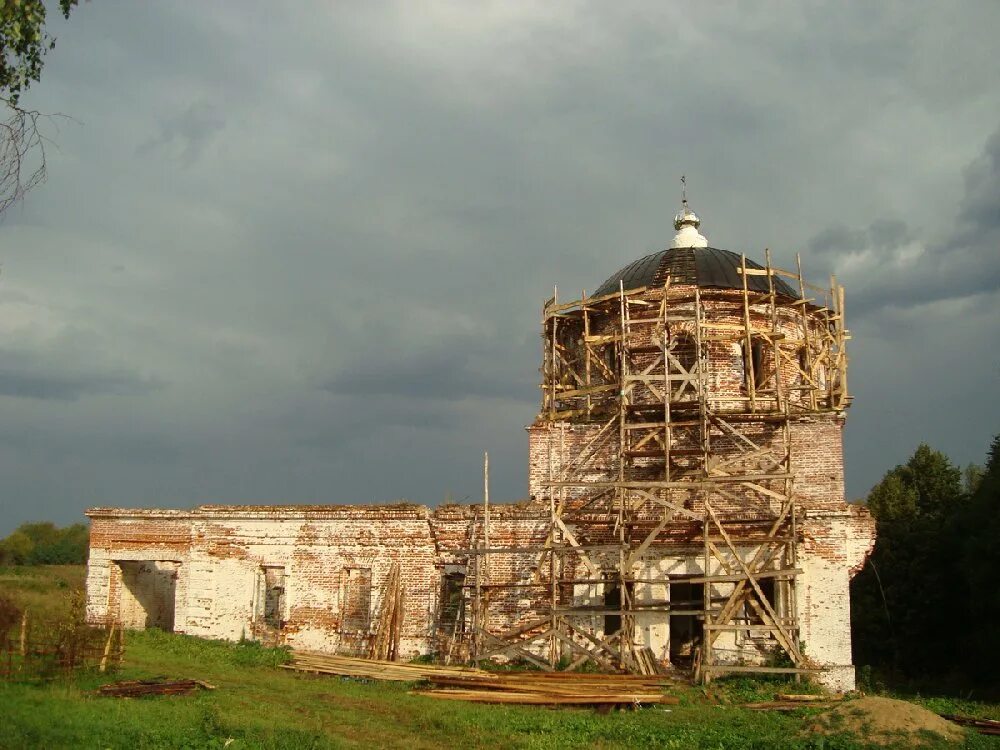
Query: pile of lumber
138, 688
385, 644
794, 701
645, 661
476, 685
983, 726
551, 688
372, 669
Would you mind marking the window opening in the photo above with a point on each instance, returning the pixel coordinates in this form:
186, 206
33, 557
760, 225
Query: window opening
684, 351
768, 588
357, 600
611, 361
686, 626
754, 363
272, 599
451, 599
613, 600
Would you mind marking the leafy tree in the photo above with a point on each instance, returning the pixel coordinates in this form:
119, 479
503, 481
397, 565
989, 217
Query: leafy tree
972, 475
925, 604
16, 549
936, 481
45, 544
24, 43
978, 531
904, 597
893, 497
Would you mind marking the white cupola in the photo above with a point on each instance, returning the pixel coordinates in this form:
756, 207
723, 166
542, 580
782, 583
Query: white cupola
686, 222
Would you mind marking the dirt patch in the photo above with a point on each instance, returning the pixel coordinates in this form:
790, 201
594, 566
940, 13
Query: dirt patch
884, 721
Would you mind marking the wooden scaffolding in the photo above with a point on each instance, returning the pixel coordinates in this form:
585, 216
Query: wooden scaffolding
668, 463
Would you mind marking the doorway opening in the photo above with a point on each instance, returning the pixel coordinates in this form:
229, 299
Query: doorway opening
686, 624
148, 593
613, 601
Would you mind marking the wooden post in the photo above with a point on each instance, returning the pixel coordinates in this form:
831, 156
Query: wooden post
554, 382
107, 648
486, 515
750, 375
806, 363
397, 630
478, 603
552, 535
775, 340
841, 349
706, 589
23, 644
586, 349
24, 633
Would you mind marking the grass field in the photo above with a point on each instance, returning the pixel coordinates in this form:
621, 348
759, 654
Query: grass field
258, 705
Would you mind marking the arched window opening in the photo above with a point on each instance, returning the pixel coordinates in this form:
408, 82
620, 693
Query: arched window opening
804, 364
754, 370
614, 604
611, 362
685, 352
452, 599
767, 587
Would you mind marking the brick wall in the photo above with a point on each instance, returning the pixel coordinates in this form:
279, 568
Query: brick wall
216, 555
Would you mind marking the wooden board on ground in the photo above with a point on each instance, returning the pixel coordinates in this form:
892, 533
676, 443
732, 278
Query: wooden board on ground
348, 666
548, 699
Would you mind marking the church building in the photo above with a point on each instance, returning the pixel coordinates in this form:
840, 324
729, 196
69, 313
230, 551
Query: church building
685, 506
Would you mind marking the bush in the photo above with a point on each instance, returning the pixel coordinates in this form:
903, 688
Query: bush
45, 544
10, 615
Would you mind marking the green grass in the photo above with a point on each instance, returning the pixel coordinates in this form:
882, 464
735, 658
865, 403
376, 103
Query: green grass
258, 705
43, 590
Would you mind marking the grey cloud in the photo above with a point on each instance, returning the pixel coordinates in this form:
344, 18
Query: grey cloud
191, 131
347, 273
69, 387
453, 369
60, 376
960, 259
888, 234
357, 421
839, 239
980, 206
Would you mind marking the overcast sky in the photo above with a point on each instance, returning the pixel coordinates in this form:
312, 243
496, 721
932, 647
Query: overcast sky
297, 254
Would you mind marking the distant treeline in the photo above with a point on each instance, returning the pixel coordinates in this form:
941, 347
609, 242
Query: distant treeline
925, 608
45, 544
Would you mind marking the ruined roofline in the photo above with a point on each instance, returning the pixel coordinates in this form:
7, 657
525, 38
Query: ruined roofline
685, 293
267, 512
396, 511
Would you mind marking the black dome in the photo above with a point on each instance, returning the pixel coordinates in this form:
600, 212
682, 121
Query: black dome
701, 266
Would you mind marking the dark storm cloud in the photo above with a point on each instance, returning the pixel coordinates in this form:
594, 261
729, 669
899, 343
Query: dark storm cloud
330, 229
190, 131
979, 210
887, 266
446, 370
45, 385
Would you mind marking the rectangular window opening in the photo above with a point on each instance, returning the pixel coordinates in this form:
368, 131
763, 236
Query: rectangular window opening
754, 365
452, 599
357, 600
613, 601
687, 602
768, 587
272, 599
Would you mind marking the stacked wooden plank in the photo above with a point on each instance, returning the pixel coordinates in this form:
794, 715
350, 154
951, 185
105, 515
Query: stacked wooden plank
372, 669
467, 684
645, 661
385, 644
138, 688
551, 688
983, 726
